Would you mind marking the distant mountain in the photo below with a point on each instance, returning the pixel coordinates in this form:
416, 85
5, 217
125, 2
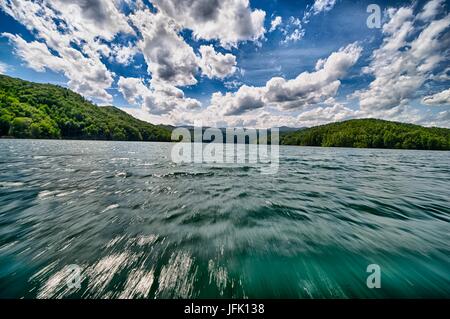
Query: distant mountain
33, 110
286, 129
371, 133
247, 138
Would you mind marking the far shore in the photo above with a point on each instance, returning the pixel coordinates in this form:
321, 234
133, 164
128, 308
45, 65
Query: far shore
289, 145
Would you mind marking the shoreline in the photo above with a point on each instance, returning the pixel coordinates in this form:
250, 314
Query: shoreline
291, 145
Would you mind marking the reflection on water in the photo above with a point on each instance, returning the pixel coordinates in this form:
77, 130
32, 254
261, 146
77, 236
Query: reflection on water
140, 226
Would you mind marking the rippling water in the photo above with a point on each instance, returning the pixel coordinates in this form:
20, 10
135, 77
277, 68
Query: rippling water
139, 225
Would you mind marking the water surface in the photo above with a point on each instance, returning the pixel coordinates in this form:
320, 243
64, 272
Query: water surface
140, 226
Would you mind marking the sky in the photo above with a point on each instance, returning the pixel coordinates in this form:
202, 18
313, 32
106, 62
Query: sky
234, 63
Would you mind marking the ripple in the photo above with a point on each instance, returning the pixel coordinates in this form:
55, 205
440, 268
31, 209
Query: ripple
140, 226
110, 207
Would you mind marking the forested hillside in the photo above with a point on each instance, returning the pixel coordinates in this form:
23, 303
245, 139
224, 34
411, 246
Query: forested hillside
32, 110
371, 133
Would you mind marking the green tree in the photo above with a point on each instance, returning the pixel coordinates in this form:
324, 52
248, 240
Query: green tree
371, 133
21, 127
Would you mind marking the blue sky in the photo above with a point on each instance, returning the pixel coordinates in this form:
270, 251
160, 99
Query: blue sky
238, 62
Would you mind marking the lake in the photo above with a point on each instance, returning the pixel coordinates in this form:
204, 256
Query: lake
137, 225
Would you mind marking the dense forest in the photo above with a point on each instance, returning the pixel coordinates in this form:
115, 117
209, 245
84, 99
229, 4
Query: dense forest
32, 110
371, 133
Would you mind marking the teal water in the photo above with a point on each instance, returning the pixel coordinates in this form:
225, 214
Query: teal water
139, 225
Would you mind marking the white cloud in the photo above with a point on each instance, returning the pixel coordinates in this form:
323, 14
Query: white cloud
35, 54
3, 68
323, 6
441, 76
169, 58
63, 23
275, 23
322, 115
165, 99
318, 6
92, 18
246, 98
143, 115
295, 36
440, 98
256, 118
123, 54
293, 30
87, 76
71, 35
265, 118
311, 88
442, 119
406, 59
229, 21
233, 84
307, 89
158, 98
294, 21
431, 10
215, 64
132, 89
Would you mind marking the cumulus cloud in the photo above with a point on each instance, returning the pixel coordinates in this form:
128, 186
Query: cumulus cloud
87, 76
440, 98
275, 23
208, 117
216, 65
431, 10
266, 118
229, 21
307, 89
321, 115
92, 18
71, 35
246, 98
169, 58
123, 54
132, 89
158, 98
312, 87
406, 59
